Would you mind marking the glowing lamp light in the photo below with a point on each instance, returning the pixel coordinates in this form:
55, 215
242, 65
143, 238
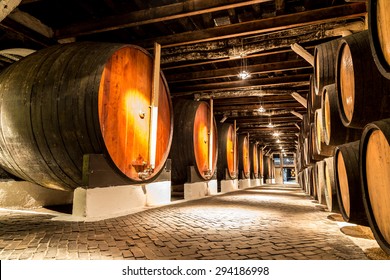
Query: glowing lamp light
270, 125
261, 109
244, 75
276, 134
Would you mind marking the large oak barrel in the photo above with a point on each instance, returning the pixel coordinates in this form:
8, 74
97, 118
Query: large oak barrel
335, 132
379, 29
66, 101
330, 186
267, 169
375, 179
261, 162
348, 189
363, 93
243, 157
324, 65
190, 144
227, 152
254, 160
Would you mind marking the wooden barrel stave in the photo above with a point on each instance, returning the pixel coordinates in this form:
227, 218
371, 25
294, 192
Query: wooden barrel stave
348, 183
375, 178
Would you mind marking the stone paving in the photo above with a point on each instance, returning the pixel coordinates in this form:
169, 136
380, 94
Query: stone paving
271, 222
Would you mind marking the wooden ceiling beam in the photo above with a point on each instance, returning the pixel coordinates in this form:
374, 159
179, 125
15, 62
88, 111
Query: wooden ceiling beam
278, 81
152, 15
233, 71
319, 16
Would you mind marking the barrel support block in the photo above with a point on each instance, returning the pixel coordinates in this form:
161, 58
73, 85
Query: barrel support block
229, 185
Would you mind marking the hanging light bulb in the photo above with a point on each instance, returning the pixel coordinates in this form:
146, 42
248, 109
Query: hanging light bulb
244, 74
276, 134
261, 109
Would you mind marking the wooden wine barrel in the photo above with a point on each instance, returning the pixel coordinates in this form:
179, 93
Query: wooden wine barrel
314, 155
379, 30
324, 65
227, 152
363, 93
69, 100
348, 188
334, 131
254, 160
320, 183
243, 157
305, 126
375, 179
190, 144
261, 162
330, 186
267, 169
314, 182
320, 146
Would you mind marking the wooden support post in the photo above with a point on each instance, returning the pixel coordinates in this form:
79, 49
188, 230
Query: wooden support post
303, 53
297, 126
211, 135
235, 147
300, 99
7, 6
154, 106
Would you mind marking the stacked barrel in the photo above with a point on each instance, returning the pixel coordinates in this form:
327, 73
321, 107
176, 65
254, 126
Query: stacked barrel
355, 120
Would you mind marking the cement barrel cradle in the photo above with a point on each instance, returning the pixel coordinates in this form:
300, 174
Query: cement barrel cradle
66, 101
334, 131
348, 189
227, 150
379, 31
375, 179
190, 144
244, 165
254, 160
363, 93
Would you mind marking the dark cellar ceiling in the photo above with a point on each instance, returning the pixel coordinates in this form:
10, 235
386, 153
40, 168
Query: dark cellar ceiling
204, 45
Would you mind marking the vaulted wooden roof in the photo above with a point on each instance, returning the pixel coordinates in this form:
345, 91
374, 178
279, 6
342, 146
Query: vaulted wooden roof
205, 44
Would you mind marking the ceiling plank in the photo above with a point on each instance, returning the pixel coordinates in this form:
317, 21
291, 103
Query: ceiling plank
277, 23
152, 15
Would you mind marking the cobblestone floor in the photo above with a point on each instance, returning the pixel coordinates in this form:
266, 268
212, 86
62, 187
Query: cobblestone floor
267, 222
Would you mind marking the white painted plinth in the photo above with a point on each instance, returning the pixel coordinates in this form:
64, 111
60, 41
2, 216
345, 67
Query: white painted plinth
200, 189
255, 182
158, 193
108, 201
229, 185
244, 183
270, 181
26, 195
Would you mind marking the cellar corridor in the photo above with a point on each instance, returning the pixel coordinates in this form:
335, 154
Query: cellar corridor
270, 222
